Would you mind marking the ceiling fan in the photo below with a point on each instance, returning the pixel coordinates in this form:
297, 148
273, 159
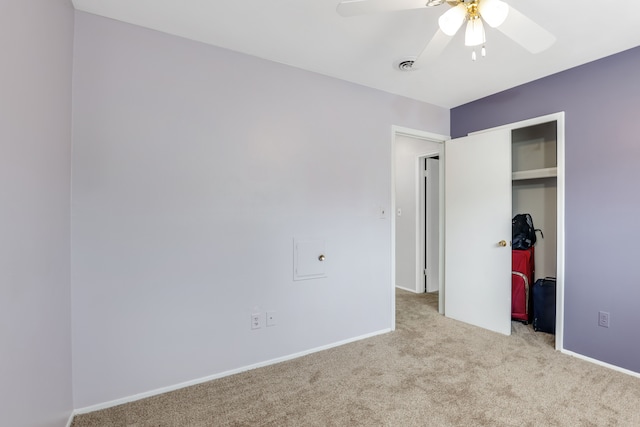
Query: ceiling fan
496, 13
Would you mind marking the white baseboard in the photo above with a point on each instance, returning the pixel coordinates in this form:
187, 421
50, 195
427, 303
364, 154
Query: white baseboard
601, 363
407, 289
167, 389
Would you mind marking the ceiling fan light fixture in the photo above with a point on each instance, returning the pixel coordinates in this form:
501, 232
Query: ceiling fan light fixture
474, 35
494, 12
452, 19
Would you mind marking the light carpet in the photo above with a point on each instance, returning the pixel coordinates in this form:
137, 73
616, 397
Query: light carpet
432, 371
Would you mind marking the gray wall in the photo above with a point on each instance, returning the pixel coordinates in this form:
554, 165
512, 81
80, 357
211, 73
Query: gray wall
602, 207
194, 169
36, 39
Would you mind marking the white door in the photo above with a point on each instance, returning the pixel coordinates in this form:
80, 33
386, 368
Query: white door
432, 221
477, 218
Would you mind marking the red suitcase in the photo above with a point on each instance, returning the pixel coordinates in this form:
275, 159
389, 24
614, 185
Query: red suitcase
522, 265
519, 297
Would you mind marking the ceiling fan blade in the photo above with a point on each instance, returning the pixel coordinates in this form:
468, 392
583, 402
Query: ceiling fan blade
432, 50
349, 8
525, 32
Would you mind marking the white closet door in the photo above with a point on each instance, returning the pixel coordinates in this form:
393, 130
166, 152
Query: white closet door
477, 219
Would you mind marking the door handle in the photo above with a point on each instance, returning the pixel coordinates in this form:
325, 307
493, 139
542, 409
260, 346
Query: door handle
502, 243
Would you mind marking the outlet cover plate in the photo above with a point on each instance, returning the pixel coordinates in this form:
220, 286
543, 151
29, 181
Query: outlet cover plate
603, 319
256, 321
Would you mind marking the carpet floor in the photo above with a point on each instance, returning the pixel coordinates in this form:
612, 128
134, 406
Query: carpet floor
431, 371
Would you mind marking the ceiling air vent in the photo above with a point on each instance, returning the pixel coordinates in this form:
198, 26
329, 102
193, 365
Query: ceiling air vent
406, 64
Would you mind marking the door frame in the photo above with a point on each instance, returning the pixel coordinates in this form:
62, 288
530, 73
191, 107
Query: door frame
425, 214
560, 212
427, 137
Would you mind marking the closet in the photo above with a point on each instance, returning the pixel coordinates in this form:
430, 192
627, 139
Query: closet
534, 188
489, 176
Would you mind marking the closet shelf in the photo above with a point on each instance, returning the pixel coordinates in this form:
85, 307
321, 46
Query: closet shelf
535, 173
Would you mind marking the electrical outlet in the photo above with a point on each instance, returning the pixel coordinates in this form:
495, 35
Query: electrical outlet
256, 321
603, 319
271, 318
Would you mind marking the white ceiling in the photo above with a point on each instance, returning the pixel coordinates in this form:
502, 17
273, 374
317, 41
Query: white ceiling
309, 34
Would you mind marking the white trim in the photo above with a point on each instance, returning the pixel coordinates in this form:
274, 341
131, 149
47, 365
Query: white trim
427, 136
420, 134
442, 294
394, 131
525, 123
185, 384
534, 174
405, 288
560, 242
421, 213
70, 420
601, 363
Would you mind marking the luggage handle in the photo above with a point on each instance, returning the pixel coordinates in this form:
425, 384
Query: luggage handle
526, 289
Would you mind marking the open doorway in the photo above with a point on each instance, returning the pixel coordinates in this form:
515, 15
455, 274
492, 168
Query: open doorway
416, 244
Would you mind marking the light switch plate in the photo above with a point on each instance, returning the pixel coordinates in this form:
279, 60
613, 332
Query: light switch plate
271, 318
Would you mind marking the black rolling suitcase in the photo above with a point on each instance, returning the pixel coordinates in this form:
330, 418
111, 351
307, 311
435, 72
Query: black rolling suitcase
544, 305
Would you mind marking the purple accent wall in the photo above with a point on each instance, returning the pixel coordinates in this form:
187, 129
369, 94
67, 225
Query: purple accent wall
602, 170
